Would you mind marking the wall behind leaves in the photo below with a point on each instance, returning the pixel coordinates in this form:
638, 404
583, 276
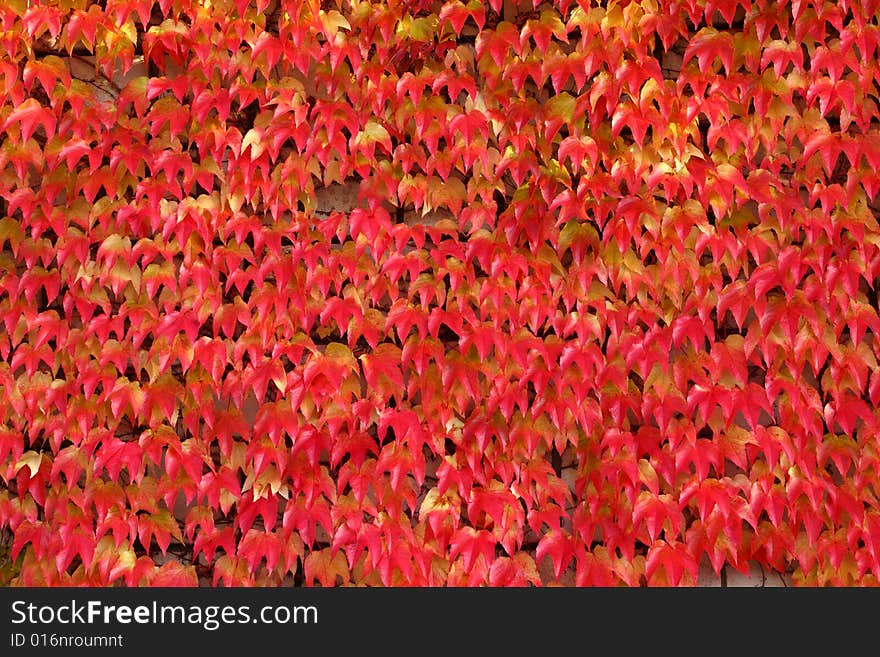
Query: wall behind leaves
438, 293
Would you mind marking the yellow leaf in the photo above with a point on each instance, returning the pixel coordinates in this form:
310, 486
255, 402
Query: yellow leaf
648, 475
332, 21
340, 352
236, 200
374, 132
269, 480
115, 244
128, 29
528, 566
435, 502
18, 7
122, 272
227, 499
613, 19
30, 459
418, 29
551, 19
127, 559
253, 139
10, 230
326, 566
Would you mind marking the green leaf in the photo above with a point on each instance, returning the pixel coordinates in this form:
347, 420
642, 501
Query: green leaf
418, 29
562, 107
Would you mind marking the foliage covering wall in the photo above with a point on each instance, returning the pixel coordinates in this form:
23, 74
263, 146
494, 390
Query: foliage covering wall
602, 306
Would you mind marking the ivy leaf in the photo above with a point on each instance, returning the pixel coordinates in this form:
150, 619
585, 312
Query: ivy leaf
30, 459
48, 71
326, 566
518, 570
708, 44
557, 545
332, 21
374, 132
673, 560
472, 544
28, 115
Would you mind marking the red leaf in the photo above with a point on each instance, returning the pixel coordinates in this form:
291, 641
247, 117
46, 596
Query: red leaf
557, 545
28, 115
